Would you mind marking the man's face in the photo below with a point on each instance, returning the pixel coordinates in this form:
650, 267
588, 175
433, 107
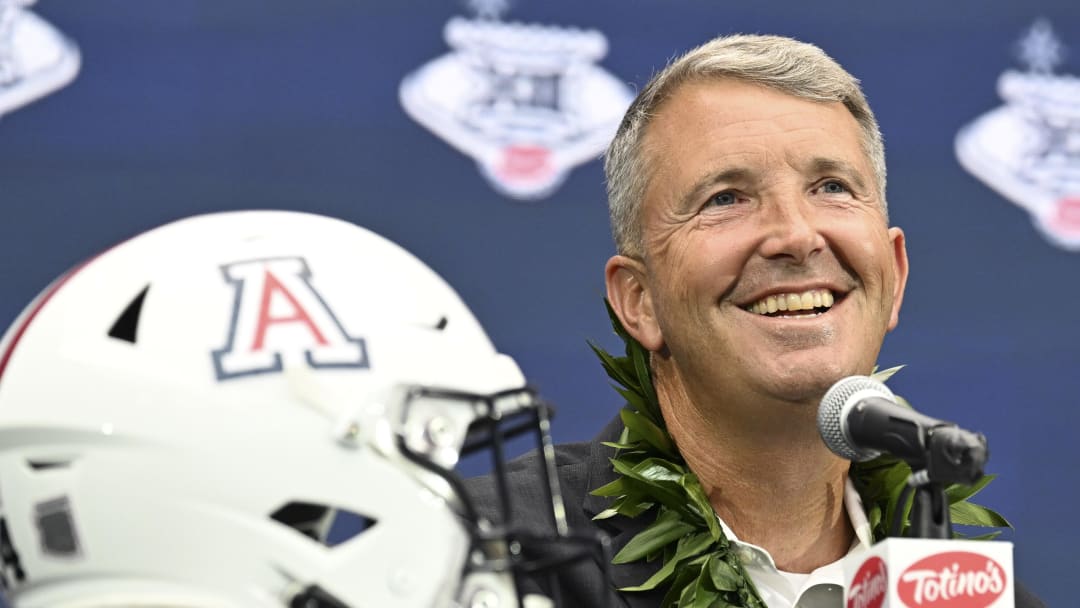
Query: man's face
760, 201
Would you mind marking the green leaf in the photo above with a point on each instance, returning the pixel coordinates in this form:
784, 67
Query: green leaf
987, 536
667, 528
749, 593
688, 548
971, 514
652, 434
957, 492
873, 515
631, 504
614, 370
692, 546
631, 458
659, 578
696, 495
606, 514
885, 374
685, 576
644, 379
894, 480
632, 472
660, 469
706, 598
614, 488
634, 399
703, 595
626, 368
634, 507
724, 577
616, 324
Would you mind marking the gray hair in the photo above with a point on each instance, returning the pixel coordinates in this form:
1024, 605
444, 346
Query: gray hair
789, 66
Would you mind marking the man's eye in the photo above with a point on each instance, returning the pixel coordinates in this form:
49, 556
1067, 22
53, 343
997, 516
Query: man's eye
833, 187
723, 199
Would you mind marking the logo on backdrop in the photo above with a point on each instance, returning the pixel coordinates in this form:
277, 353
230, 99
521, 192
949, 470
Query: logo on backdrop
35, 59
956, 579
279, 316
870, 585
1029, 149
526, 101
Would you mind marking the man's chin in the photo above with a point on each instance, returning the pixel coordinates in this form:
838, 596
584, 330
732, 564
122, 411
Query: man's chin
806, 385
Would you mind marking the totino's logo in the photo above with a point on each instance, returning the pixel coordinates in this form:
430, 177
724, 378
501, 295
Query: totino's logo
869, 586
957, 579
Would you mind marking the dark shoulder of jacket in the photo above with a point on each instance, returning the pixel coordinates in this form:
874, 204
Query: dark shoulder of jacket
1025, 598
526, 484
573, 583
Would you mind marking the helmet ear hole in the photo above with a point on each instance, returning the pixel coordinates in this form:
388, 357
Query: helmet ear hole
321, 523
127, 324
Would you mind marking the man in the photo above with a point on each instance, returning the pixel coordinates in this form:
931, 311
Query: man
756, 267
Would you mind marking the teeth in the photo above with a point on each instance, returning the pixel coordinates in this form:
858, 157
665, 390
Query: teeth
808, 300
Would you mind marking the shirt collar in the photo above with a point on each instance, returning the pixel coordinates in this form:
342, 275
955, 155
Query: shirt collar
827, 580
856, 514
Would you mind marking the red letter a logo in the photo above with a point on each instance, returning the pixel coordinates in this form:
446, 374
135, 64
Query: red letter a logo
278, 317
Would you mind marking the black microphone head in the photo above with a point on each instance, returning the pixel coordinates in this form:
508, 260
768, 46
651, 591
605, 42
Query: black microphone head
836, 404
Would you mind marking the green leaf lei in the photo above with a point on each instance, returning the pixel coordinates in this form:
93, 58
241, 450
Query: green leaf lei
697, 563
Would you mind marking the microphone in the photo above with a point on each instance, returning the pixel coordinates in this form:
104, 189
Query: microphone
859, 418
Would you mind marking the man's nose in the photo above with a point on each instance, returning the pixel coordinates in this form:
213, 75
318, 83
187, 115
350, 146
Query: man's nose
792, 231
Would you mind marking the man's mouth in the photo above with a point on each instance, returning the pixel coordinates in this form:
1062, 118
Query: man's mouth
785, 305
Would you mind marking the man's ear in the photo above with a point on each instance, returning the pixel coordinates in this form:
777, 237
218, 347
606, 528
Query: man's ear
900, 266
629, 295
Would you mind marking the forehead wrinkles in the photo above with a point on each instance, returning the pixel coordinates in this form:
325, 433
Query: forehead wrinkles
699, 133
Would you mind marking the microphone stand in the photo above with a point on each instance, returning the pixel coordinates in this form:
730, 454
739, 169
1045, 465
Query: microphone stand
930, 512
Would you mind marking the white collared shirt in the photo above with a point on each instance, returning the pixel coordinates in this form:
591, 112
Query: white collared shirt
822, 588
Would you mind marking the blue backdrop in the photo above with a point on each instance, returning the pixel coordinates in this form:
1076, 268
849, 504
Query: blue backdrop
188, 107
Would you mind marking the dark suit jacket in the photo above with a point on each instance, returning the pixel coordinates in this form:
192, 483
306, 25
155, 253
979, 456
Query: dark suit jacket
581, 468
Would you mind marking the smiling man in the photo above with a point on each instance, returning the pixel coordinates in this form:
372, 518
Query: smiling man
763, 271
755, 266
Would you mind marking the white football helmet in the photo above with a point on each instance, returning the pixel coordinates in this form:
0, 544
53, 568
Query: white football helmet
253, 409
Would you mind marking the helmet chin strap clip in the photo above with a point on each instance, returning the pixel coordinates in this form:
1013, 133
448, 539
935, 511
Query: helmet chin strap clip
314, 596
